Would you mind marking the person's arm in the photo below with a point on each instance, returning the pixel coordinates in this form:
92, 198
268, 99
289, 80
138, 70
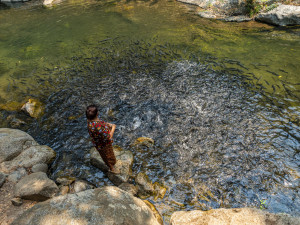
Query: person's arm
113, 127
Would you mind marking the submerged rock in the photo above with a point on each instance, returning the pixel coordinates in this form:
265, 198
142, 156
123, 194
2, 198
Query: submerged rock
107, 205
65, 180
144, 184
239, 216
144, 141
124, 164
36, 186
283, 15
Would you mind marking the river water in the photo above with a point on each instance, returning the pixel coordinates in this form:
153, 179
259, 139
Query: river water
221, 100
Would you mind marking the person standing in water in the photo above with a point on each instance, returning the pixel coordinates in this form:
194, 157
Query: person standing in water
102, 137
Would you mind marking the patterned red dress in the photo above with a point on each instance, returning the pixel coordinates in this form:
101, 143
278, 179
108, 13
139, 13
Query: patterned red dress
99, 132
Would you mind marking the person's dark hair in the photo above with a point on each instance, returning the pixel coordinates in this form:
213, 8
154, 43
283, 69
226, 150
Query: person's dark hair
91, 112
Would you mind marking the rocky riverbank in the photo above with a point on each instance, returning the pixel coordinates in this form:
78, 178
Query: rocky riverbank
28, 196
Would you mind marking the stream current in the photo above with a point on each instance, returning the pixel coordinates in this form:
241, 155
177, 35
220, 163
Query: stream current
223, 136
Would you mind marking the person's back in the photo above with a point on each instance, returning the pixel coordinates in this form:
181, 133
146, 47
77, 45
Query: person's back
101, 134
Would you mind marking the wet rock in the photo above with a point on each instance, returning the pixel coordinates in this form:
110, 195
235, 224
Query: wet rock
41, 167
107, 205
36, 186
17, 201
15, 122
155, 212
236, 19
13, 142
33, 107
144, 141
237, 216
2, 179
159, 190
144, 184
17, 175
124, 164
81, 185
28, 158
64, 190
283, 15
65, 180
130, 188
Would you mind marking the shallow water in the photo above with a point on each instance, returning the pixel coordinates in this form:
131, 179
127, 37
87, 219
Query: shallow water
221, 100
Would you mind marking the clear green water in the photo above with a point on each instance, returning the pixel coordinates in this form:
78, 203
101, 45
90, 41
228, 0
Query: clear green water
32, 37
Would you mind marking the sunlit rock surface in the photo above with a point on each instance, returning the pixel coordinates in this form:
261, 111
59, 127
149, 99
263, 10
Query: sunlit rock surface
33, 107
36, 186
108, 205
238, 216
13, 142
283, 15
124, 164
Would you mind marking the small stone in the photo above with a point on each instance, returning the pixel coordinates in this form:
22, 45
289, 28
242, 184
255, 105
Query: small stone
64, 190
130, 188
81, 185
17, 175
17, 201
65, 180
41, 167
2, 179
159, 190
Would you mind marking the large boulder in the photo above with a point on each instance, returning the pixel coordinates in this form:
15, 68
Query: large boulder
13, 142
124, 164
283, 15
107, 205
242, 216
228, 7
31, 156
36, 186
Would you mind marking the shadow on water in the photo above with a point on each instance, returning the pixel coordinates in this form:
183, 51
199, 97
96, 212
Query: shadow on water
221, 140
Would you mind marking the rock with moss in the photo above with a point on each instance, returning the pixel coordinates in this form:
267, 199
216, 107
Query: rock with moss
33, 107
238, 216
145, 186
107, 205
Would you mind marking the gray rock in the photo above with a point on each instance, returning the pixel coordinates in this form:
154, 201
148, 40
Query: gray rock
283, 15
17, 175
237, 216
36, 186
2, 179
130, 188
49, 3
207, 15
13, 142
144, 184
65, 180
236, 19
228, 7
17, 201
28, 158
41, 167
81, 185
107, 205
124, 164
